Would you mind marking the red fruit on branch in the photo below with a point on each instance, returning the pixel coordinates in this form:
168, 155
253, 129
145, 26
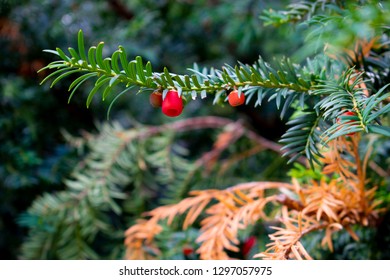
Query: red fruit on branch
172, 105
349, 113
187, 250
155, 99
236, 100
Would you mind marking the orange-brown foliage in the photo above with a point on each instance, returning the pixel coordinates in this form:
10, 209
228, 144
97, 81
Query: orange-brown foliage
330, 205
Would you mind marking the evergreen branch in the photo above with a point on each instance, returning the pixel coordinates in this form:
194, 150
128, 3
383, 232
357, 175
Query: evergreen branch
303, 136
75, 217
345, 102
297, 12
284, 82
117, 69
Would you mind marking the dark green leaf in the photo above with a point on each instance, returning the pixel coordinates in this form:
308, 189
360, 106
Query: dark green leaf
81, 47
83, 79
99, 55
168, 77
99, 83
140, 69
74, 54
114, 62
383, 130
63, 55
56, 80
91, 57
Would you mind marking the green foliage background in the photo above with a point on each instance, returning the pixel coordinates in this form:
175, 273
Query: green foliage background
36, 160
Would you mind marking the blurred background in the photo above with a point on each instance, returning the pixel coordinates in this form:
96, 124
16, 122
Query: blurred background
35, 158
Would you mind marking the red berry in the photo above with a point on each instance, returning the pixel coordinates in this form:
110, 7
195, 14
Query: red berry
348, 113
187, 250
235, 100
172, 105
155, 99
248, 245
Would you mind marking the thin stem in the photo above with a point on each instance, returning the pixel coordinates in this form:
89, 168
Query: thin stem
360, 173
203, 123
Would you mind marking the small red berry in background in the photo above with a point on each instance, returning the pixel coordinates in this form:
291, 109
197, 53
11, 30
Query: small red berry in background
235, 100
172, 105
248, 245
187, 250
348, 113
155, 99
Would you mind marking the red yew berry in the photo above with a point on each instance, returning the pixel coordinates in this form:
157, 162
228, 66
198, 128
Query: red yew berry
235, 100
187, 250
155, 99
172, 105
348, 113
248, 245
